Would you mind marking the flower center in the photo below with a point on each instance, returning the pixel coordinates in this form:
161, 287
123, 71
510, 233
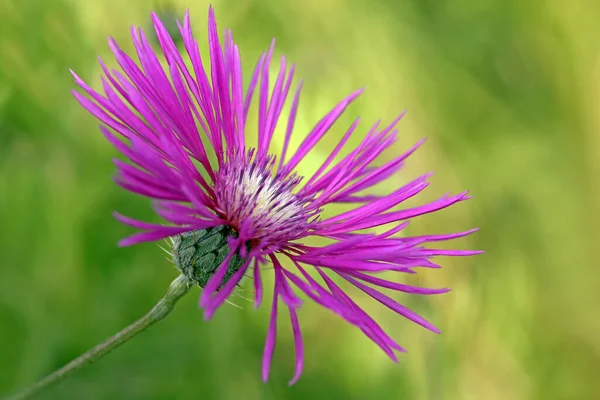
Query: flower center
247, 194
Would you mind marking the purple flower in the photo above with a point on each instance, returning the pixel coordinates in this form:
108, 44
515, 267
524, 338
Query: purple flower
184, 127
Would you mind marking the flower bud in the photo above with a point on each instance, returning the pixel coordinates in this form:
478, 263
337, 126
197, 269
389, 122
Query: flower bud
198, 254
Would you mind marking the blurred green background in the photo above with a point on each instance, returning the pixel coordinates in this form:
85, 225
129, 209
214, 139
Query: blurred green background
508, 93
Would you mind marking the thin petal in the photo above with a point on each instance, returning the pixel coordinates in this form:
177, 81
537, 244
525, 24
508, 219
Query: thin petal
271, 338
298, 345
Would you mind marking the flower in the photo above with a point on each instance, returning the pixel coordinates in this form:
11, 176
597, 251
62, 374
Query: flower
184, 130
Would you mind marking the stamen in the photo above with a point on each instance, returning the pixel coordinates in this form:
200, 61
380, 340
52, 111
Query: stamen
247, 191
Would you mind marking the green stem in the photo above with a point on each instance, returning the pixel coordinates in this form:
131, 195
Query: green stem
179, 287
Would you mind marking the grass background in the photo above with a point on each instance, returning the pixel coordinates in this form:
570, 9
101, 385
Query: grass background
508, 94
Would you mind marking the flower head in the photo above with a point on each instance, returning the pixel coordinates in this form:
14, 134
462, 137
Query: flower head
232, 209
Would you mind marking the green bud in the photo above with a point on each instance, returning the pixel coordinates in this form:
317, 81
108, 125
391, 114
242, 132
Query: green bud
198, 254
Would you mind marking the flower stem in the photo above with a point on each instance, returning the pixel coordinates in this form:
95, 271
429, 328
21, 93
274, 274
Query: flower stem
179, 287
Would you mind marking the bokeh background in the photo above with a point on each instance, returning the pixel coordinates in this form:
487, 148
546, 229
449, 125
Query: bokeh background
508, 93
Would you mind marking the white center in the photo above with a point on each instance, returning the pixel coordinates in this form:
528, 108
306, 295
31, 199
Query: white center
270, 200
